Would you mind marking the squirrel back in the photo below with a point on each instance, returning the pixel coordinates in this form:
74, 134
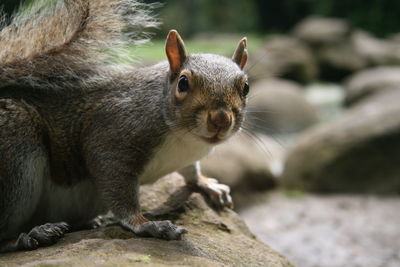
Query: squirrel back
69, 40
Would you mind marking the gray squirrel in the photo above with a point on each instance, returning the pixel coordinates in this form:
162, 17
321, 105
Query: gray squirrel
79, 133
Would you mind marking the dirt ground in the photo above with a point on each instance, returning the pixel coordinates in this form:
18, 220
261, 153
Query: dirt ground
329, 231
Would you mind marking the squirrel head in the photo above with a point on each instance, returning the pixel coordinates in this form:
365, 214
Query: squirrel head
207, 92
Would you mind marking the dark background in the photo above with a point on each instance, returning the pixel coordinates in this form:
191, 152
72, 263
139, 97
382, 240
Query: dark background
380, 17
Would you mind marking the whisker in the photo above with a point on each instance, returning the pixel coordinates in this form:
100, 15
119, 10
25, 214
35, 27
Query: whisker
264, 128
257, 141
263, 56
253, 118
262, 111
259, 126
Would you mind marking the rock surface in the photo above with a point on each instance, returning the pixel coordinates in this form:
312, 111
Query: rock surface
340, 50
376, 51
371, 81
278, 106
330, 40
283, 56
358, 152
329, 231
317, 30
336, 61
214, 238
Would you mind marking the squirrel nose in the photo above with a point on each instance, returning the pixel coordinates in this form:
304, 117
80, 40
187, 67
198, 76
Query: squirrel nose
218, 121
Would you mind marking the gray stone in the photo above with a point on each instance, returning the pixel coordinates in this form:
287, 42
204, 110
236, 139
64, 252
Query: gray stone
213, 238
358, 152
338, 60
317, 30
375, 51
395, 38
371, 81
277, 106
283, 56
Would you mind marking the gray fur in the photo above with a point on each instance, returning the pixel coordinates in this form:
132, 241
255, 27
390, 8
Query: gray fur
54, 44
82, 134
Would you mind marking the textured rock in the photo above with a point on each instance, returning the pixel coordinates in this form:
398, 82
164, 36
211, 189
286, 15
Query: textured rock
358, 152
214, 238
283, 56
278, 106
371, 81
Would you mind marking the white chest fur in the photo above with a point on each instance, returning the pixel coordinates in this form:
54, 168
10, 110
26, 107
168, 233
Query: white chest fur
176, 152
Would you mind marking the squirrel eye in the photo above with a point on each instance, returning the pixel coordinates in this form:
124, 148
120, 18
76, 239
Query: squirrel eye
246, 89
183, 84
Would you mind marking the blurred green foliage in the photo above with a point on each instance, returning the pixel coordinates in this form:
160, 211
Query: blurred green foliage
377, 16
194, 16
155, 51
9, 6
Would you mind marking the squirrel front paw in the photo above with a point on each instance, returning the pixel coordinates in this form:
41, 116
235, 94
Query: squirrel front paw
219, 194
159, 229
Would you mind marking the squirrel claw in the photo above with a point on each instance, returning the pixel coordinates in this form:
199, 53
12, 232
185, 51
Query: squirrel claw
219, 194
159, 229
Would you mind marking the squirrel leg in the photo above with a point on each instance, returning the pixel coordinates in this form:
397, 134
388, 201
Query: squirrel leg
103, 221
97, 222
21, 179
121, 192
219, 194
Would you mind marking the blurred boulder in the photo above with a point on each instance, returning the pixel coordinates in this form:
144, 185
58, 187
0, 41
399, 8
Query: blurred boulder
358, 152
395, 38
321, 31
370, 81
283, 56
247, 163
278, 106
375, 51
340, 51
339, 60
329, 38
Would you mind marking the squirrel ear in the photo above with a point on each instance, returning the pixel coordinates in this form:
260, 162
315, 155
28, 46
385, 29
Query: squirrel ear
175, 49
240, 55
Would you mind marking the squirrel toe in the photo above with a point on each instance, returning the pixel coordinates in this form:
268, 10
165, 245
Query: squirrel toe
160, 229
218, 194
49, 233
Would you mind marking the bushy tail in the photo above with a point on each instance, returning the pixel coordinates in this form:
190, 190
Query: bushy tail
57, 43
